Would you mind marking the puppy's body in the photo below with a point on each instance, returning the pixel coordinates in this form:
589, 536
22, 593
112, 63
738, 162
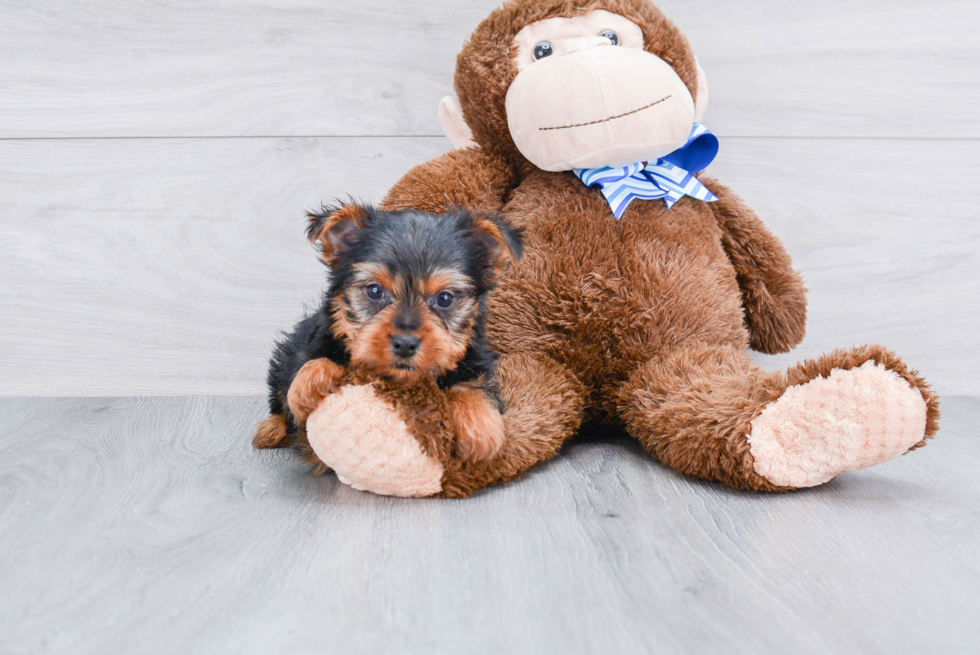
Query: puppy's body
407, 299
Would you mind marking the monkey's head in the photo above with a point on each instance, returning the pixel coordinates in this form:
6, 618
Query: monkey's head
568, 84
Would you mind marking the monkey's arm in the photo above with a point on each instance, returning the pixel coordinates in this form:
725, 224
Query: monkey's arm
467, 177
772, 292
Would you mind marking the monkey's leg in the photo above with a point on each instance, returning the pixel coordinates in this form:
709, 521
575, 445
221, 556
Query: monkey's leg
543, 403
394, 440
709, 412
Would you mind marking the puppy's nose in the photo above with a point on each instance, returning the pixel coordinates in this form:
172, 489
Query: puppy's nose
405, 345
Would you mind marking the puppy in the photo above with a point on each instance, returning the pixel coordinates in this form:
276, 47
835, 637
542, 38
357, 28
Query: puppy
407, 298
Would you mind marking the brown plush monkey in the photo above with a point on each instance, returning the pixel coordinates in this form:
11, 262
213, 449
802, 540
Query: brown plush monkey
641, 320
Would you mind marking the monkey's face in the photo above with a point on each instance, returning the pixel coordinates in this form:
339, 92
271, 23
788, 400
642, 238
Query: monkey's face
587, 95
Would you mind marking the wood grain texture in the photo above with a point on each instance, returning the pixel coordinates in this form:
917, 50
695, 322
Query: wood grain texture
149, 525
172, 261
168, 266
376, 67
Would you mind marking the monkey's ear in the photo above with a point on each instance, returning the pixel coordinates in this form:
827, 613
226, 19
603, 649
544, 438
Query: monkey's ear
701, 102
334, 229
453, 125
500, 245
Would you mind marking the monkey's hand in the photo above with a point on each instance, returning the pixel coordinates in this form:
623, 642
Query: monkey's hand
317, 379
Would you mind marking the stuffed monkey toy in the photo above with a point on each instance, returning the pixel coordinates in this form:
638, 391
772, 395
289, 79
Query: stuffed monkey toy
642, 285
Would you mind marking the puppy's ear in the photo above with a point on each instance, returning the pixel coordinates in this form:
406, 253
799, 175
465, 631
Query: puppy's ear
334, 229
499, 244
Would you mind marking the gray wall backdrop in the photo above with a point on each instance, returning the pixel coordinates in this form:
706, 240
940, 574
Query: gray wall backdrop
156, 161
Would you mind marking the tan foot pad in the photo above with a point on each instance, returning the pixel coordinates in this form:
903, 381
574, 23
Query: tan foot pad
362, 438
828, 426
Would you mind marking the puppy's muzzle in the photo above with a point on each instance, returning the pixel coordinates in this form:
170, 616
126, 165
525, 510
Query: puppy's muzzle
404, 346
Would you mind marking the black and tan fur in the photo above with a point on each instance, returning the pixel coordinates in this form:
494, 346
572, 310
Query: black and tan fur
407, 299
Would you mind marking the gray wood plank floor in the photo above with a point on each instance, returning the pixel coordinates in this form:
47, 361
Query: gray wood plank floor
149, 525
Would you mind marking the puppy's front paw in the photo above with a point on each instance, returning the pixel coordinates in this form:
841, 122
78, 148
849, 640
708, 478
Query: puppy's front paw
478, 425
317, 379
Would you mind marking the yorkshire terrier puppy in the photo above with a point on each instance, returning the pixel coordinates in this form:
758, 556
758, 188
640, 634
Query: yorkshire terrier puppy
407, 298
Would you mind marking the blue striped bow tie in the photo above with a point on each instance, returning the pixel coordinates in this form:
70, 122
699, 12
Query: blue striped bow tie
670, 177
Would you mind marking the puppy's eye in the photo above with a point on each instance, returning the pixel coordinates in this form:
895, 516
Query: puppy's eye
445, 300
374, 291
543, 50
609, 34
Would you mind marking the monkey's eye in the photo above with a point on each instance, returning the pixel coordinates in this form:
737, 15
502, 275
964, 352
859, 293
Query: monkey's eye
445, 300
543, 50
609, 34
374, 291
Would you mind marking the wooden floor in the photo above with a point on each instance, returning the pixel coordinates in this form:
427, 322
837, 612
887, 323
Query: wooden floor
156, 159
150, 525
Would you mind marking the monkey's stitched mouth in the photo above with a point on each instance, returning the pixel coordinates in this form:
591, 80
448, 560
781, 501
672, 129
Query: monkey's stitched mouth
606, 120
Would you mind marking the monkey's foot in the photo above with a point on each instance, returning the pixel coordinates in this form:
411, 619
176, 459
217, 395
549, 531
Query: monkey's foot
368, 445
845, 421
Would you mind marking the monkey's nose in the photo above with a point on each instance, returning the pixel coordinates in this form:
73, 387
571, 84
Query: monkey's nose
405, 345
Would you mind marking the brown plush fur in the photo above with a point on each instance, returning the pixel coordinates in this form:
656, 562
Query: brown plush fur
545, 405
642, 321
692, 411
420, 403
773, 295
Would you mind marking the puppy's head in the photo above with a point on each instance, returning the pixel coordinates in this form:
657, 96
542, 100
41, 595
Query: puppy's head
407, 286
